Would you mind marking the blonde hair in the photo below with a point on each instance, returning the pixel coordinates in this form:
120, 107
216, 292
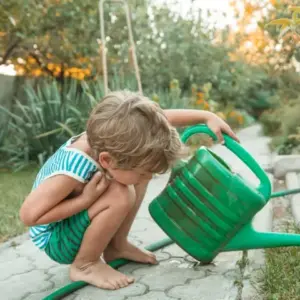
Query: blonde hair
135, 132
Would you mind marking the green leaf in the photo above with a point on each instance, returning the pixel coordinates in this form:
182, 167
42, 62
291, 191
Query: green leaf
51, 132
283, 21
295, 16
295, 9
66, 128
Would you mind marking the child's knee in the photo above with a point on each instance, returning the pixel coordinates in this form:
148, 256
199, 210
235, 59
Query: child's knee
125, 196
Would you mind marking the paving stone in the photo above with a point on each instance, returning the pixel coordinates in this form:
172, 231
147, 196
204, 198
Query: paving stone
39, 296
129, 268
134, 240
175, 251
151, 234
19, 266
152, 296
224, 262
214, 287
133, 290
59, 276
167, 274
42, 261
28, 249
8, 255
17, 287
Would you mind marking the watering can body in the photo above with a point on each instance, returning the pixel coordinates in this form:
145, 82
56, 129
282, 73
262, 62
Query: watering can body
206, 208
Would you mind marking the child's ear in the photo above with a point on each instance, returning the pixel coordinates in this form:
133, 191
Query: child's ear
105, 160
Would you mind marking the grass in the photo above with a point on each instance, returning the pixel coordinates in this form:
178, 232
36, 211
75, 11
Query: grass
13, 188
282, 273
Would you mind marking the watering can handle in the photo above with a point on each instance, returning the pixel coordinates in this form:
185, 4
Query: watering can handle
265, 185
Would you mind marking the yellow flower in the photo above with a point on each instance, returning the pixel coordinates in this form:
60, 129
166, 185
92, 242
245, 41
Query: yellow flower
80, 76
200, 96
58, 69
37, 72
20, 70
232, 114
51, 66
56, 73
87, 72
240, 119
31, 60
206, 105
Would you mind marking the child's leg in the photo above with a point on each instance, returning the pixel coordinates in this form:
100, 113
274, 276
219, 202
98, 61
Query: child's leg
120, 247
106, 215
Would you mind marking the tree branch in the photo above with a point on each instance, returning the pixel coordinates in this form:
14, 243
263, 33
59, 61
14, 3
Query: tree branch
9, 51
40, 63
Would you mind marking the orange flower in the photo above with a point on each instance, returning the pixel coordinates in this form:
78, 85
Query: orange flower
240, 119
80, 76
199, 101
51, 66
87, 72
206, 105
36, 72
200, 95
31, 60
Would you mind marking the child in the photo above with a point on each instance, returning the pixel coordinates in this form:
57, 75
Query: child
86, 196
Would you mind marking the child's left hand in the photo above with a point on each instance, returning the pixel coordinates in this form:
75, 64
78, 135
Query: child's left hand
218, 126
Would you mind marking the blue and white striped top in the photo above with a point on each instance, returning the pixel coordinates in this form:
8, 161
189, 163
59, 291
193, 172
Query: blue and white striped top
65, 161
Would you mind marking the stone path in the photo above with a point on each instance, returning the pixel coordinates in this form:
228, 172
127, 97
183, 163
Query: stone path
27, 274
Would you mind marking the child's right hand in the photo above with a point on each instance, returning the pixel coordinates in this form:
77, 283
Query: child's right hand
95, 188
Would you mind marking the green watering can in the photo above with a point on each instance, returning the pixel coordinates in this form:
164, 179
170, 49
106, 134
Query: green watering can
207, 209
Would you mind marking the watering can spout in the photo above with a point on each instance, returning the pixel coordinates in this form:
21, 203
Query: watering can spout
248, 238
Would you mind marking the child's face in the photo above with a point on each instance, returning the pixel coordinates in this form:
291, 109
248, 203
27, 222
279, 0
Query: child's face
126, 177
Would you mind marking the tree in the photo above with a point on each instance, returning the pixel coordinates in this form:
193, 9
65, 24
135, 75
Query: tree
55, 38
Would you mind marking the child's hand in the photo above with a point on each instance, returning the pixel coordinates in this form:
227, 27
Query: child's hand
95, 188
217, 125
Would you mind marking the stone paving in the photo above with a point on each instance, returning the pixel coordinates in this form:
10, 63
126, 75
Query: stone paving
27, 274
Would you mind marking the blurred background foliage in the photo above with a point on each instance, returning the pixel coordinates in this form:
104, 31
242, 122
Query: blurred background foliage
245, 71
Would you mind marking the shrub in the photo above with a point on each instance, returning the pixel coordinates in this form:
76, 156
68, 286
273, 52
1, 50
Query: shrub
49, 116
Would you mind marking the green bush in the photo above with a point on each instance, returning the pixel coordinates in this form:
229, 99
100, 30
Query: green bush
271, 122
50, 116
283, 123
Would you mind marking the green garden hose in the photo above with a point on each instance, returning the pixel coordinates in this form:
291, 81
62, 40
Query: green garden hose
285, 193
70, 288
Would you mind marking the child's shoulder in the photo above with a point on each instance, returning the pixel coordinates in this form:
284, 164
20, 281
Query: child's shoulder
71, 159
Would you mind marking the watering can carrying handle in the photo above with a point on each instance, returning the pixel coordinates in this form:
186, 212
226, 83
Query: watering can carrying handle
265, 185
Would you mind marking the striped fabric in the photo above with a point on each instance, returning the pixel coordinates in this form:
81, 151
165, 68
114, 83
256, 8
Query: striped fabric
66, 238
65, 161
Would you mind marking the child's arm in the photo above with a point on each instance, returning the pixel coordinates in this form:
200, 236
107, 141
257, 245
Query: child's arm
187, 117
47, 202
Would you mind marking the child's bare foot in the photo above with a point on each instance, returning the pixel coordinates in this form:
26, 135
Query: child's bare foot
100, 275
128, 251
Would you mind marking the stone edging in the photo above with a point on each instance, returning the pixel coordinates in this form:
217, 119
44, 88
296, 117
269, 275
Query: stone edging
283, 164
293, 182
